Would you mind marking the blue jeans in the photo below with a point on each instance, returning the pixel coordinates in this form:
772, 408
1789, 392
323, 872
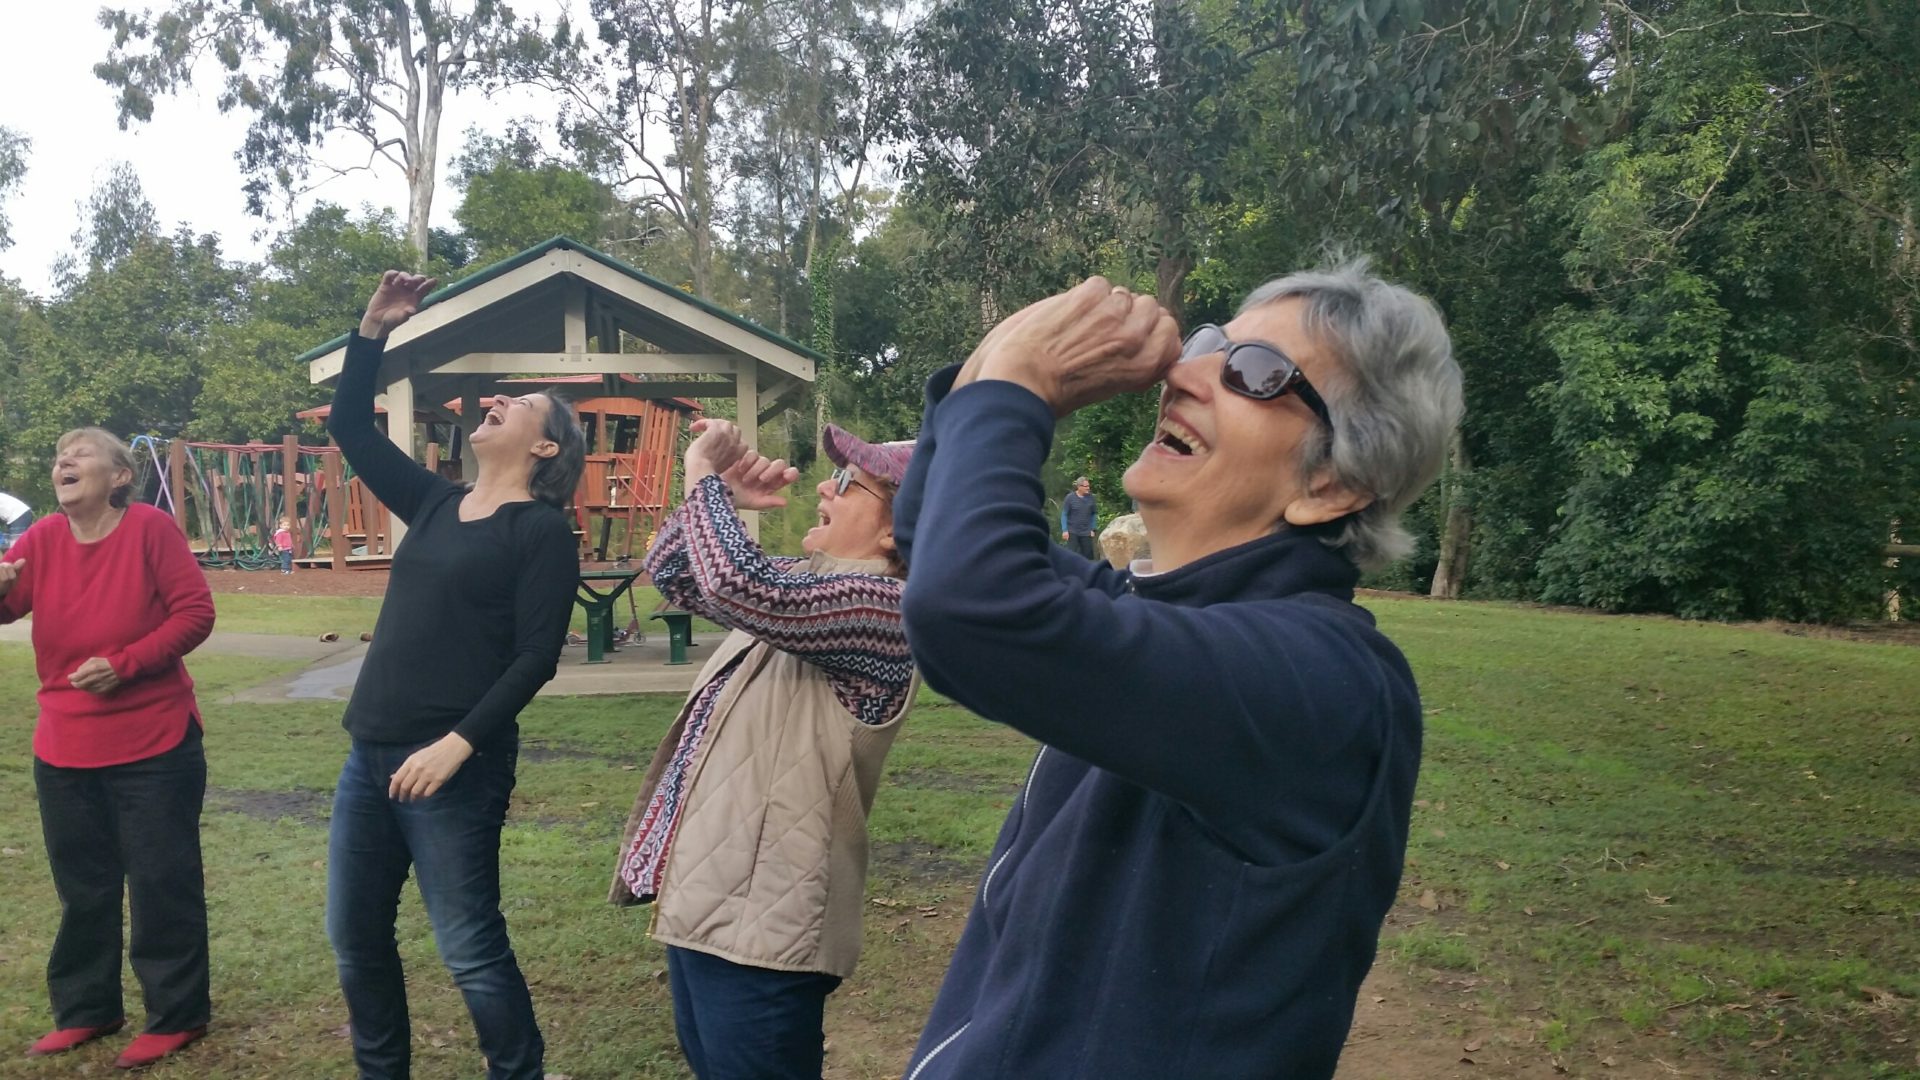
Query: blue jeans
286, 560
747, 1023
452, 841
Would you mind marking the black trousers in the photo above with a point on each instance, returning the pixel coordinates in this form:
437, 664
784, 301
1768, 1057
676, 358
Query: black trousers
1082, 544
137, 824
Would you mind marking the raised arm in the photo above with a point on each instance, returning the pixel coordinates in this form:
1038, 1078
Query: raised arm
848, 624
1205, 705
391, 473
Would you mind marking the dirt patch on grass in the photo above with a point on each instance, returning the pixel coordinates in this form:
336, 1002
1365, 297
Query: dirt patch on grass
535, 753
1905, 632
1418, 1024
305, 807
1411, 1023
1888, 860
928, 779
920, 864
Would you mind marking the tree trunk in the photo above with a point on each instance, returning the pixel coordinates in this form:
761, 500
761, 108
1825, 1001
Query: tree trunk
1171, 26
785, 284
698, 130
420, 179
1170, 282
1451, 573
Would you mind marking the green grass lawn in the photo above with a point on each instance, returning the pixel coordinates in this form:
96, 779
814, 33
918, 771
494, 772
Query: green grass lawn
1706, 835
1698, 839
349, 616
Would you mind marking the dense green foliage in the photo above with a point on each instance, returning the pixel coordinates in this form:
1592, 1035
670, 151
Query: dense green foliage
1675, 241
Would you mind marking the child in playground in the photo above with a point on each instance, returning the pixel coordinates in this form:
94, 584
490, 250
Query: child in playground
749, 834
283, 543
476, 609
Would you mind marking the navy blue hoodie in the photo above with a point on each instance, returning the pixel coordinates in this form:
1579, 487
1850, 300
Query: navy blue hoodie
1193, 879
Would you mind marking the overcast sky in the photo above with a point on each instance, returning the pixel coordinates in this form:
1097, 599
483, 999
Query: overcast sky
184, 157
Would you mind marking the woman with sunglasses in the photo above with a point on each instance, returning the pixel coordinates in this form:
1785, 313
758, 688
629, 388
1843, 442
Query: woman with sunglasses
749, 835
1194, 879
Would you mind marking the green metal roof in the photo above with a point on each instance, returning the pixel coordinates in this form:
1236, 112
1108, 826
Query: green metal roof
514, 262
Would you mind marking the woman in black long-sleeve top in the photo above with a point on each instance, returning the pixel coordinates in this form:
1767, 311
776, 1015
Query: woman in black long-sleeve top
475, 614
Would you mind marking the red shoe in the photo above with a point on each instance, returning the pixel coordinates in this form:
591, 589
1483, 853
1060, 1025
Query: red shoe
65, 1039
148, 1048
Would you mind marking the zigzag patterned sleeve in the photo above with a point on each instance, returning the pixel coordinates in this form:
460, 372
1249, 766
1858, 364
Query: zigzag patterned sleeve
667, 566
849, 625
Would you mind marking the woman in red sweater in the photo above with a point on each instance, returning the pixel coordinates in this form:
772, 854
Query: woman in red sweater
117, 757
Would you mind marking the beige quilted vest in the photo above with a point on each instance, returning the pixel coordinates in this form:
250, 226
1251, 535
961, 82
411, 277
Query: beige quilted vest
768, 865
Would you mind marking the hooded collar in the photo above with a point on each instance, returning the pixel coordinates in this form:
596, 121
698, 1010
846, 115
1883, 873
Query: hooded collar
1282, 564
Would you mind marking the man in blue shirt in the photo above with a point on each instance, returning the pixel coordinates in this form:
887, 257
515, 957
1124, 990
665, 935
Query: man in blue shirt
1080, 519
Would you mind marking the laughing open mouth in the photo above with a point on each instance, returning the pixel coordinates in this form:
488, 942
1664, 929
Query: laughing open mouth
1178, 437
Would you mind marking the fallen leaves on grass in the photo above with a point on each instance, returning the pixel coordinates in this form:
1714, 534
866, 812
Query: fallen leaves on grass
1779, 1034
1879, 996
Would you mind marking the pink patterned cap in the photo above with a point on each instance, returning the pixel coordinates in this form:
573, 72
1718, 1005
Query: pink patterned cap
886, 460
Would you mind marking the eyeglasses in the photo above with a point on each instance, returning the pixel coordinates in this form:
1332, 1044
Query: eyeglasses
1254, 369
843, 479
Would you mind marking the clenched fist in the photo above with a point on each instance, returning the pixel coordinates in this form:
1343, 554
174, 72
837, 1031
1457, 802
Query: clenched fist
1085, 345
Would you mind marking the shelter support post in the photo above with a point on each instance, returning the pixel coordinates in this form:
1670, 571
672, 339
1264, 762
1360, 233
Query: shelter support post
746, 390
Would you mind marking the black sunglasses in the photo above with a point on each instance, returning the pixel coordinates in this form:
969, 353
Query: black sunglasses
1254, 369
843, 479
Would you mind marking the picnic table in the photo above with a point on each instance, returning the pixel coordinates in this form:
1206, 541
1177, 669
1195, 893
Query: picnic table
599, 608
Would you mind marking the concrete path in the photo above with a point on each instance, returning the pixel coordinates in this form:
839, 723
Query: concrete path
332, 666
264, 646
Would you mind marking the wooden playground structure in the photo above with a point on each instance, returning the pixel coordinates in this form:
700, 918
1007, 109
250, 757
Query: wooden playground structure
230, 498
557, 314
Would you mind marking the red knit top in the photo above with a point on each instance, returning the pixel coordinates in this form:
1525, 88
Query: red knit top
135, 598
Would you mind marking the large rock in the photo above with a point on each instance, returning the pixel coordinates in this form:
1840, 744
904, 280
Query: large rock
1124, 540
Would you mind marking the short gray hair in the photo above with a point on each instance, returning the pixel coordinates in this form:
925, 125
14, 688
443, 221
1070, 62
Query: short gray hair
1393, 410
556, 479
117, 455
